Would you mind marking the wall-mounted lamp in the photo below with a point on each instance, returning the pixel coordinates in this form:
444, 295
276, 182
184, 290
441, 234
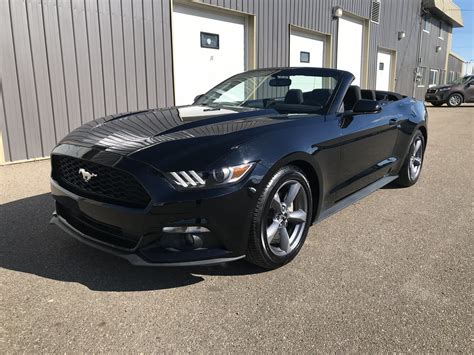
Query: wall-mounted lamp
337, 12
438, 49
401, 35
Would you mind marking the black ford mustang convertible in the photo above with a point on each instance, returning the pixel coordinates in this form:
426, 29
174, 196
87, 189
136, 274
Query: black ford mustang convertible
243, 172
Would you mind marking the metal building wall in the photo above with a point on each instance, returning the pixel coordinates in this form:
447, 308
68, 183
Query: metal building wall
64, 62
455, 64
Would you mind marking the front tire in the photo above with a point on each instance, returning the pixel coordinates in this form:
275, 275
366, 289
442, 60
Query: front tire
411, 169
455, 100
281, 219
437, 104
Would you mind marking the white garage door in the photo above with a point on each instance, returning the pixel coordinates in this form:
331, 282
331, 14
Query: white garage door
384, 64
349, 47
306, 50
207, 49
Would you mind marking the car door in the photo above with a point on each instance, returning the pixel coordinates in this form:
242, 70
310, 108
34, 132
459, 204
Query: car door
469, 91
367, 149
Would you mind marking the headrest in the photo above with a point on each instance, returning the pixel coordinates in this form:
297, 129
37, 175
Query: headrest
368, 95
294, 96
353, 95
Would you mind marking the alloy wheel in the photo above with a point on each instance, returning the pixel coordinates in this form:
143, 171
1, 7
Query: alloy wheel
416, 158
286, 218
455, 100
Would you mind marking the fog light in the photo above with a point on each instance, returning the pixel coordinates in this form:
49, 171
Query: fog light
190, 229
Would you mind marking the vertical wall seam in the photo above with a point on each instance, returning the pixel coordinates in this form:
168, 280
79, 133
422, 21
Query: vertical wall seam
154, 51
34, 80
101, 57
164, 53
124, 57
77, 67
89, 57
62, 65
113, 56
134, 55
49, 73
5, 118
144, 54
17, 79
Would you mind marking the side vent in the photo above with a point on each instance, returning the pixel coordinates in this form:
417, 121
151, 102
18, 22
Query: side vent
375, 11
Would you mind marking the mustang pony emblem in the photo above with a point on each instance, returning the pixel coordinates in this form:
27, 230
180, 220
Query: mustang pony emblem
86, 176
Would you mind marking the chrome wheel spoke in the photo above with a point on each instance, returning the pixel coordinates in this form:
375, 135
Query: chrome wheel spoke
284, 240
292, 192
276, 202
417, 147
298, 216
272, 229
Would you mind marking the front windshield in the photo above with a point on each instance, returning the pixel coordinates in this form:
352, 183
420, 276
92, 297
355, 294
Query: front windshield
285, 90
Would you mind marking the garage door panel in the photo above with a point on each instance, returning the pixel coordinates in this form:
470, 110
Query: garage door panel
349, 47
384, 64
200, 66
306, 50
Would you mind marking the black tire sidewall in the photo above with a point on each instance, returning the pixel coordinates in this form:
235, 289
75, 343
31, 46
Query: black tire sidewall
280, 177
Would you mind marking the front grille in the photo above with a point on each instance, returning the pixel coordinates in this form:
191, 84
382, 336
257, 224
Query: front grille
109, 185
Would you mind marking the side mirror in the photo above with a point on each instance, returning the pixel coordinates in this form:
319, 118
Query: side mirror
367, 106
198, 97
468, 84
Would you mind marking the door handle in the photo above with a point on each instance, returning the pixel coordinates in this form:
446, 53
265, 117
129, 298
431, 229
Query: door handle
393, 121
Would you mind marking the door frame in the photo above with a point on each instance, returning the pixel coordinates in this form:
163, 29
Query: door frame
325, 37
393, 66
250, 27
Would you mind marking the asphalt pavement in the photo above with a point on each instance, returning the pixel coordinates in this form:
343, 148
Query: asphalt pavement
391, 273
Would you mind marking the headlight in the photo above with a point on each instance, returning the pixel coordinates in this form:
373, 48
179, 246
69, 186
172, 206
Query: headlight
226, 175
444, 89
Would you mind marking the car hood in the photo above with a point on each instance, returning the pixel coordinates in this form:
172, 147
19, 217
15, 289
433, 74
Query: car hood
437, 87
197, 133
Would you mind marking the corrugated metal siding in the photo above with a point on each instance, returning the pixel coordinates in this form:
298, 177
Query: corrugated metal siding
64, 62
455, 64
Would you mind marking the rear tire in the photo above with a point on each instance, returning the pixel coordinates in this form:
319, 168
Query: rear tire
455, 100
411, 169
281, 219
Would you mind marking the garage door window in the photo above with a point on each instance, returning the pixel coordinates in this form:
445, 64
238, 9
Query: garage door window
209, 40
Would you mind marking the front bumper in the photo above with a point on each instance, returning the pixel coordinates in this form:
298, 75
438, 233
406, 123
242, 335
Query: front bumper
143, 237
135, 258
438, 97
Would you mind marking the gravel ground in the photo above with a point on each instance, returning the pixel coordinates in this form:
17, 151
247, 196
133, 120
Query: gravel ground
390, 273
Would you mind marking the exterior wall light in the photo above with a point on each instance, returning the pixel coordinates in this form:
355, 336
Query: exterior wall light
337, 12
401, 35
438, 49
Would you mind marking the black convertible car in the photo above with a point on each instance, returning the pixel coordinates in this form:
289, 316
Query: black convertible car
243, 172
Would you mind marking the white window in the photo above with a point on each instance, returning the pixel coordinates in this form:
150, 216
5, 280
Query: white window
434, 77
451, 76
427, 24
